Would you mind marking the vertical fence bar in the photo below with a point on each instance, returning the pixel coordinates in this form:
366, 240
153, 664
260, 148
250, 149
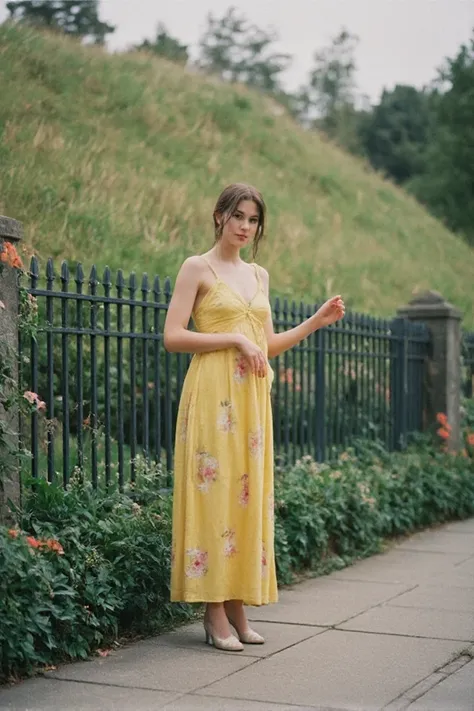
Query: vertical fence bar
398, 383
293, 379
34, 275
93, 418
132, 288
320, 395
277, 400
286, 414
79, 279
65, 370
107, 285
168, 408
301, 382
157, 366
145, 332
50, 365
120, 286
308, 383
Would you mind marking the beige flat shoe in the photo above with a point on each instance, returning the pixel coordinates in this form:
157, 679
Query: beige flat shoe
229, 644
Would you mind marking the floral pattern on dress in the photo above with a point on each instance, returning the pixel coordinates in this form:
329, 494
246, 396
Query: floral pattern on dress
244, 492
226, 420
229, 543
256, 443
207, 472
197, 565
240, 369
264, 561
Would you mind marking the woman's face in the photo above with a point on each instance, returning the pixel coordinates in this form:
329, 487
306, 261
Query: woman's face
242, 226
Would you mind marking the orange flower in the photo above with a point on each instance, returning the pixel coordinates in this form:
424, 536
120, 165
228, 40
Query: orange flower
33, 542
443, 433
442, 419
55, 546
10, 256
470, 439
13, 533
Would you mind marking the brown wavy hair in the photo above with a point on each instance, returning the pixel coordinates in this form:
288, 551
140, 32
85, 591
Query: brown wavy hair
227, 204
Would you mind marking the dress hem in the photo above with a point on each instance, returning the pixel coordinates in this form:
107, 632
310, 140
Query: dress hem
216, 599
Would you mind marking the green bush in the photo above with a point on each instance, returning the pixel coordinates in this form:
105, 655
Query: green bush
82, 568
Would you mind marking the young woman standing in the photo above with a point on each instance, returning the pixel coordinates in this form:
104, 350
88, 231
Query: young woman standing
223, 478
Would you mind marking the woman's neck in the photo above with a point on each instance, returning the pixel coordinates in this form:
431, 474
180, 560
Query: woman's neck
227, 253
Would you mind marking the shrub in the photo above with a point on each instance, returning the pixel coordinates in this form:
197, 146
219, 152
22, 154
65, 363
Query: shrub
84, 567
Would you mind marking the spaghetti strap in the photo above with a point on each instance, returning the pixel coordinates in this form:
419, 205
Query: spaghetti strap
210, 267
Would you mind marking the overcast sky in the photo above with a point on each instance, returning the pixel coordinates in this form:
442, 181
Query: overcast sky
401, 41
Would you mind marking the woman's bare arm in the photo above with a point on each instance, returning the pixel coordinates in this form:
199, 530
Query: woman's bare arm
278, 343
177, 337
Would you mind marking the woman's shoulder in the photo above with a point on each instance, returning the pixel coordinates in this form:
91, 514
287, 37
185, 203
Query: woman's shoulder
262, 271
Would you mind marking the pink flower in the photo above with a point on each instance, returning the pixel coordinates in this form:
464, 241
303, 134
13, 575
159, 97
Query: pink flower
33, 399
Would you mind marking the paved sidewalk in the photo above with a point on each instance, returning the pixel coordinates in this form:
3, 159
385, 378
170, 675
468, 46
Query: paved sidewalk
392, 632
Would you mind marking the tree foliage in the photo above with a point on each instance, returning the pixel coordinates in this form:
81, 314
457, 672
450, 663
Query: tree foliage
164, 45
447, 183
238, 51
394, 135
73, 17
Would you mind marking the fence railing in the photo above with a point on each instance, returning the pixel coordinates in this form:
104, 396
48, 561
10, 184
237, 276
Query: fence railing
468, 364
112, 390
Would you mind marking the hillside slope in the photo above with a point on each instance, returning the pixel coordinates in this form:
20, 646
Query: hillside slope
118, 160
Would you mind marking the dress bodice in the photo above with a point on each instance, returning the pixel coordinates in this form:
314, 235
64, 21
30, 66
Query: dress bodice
223, 310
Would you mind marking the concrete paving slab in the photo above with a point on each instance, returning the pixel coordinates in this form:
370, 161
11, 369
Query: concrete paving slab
438, 597
402, 567
454, 693
440, 542
338, 669
389, 619
326, 601
466, 568
466, 526
192, 702
143, 666
277, 637
53, 695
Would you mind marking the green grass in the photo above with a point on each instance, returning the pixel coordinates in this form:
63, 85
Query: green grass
119, 159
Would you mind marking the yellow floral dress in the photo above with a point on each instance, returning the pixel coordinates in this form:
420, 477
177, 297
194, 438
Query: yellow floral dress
223, 476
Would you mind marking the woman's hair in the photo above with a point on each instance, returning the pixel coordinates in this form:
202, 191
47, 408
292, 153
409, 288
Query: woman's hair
227, 204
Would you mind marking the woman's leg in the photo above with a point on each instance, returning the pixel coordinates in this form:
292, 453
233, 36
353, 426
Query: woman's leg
234, 610
215, 616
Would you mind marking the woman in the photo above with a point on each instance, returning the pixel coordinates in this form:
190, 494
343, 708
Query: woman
223, 478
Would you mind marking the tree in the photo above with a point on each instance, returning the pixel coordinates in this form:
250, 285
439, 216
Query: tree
328, 101
447, 183
240, 52
73, 17
165, 46
395, 133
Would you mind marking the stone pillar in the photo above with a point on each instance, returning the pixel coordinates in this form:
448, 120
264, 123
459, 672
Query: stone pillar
443, 372
10, 231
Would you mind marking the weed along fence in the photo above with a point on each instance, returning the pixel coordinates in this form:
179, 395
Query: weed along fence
112, 390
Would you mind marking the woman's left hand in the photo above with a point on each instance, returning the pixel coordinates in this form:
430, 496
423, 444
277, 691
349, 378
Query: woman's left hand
331, 311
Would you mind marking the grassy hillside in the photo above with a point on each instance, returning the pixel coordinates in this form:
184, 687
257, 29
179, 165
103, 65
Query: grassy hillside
118, 160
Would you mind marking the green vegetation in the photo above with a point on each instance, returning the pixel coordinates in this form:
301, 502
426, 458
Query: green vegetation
118, 160
82, 569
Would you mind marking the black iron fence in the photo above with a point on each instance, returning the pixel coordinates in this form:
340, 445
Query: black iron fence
112, 390
468, 364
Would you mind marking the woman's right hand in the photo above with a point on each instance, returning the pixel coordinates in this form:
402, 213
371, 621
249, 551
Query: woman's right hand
254, 355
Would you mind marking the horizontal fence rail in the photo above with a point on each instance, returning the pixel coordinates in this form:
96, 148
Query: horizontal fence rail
112, 390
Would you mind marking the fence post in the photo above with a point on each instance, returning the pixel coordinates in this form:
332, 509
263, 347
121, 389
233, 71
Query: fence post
443, 366
10, 231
